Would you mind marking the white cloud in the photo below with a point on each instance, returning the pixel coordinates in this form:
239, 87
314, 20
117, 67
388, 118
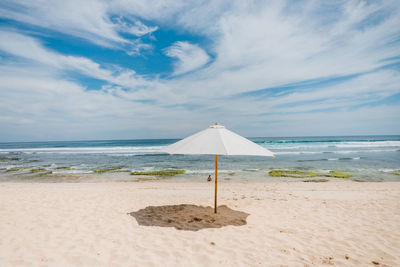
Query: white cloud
190, 57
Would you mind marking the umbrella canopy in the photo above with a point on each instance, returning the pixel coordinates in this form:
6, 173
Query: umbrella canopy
217, 140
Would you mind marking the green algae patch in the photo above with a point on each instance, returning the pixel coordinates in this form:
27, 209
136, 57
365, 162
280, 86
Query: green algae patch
37, 170
339, 174
13, 169
292, 173
302, 174
65, 168
159, 173
16, 169
396, 173
3, 159
108, 169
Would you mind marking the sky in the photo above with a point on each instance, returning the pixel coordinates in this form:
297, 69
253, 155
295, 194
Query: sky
119, 69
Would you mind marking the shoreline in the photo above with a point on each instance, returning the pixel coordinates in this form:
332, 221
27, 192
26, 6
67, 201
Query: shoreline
289, 223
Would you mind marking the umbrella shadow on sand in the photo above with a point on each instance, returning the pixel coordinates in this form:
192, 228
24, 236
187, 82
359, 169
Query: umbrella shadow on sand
189, 217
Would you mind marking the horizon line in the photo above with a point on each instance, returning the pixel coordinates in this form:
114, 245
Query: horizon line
253, 137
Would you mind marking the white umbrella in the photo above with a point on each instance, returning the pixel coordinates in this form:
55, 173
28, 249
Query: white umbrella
217, 140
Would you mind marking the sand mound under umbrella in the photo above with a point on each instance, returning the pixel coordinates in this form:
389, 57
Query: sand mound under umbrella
189, 217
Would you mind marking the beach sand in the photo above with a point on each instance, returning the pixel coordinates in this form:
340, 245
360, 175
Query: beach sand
340, 223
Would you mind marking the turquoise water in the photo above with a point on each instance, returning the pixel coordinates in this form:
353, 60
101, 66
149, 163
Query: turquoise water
374, 158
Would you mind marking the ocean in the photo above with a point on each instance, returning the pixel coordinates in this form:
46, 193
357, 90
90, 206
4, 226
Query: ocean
367, 158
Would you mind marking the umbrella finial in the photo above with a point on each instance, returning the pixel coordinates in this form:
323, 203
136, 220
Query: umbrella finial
216, 126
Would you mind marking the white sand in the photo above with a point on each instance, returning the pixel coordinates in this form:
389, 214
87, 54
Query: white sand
339, 223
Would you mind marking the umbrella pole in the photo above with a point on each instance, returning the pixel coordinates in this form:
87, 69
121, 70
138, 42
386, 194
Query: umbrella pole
216, 181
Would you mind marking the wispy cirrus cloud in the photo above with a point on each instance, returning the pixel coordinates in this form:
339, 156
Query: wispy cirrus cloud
29, 48
135, 27
91, 20
190, 57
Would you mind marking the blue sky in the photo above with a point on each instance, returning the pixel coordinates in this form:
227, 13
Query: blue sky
72, 70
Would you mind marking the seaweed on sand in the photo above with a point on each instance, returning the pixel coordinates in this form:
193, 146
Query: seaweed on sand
159, 173
316, 181
143, 179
